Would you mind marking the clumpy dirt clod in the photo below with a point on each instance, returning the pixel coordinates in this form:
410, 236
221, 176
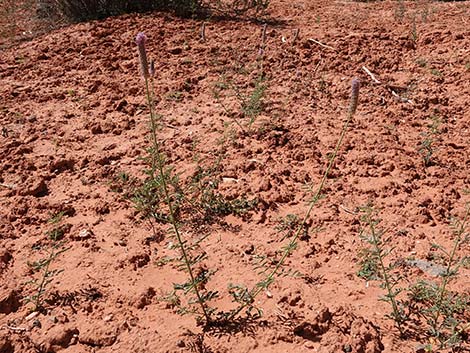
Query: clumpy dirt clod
251, 131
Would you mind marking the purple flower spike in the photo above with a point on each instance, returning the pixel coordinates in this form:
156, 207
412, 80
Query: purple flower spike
140, 40
356, 85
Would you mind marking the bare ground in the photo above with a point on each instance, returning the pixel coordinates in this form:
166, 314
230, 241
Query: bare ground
75, 123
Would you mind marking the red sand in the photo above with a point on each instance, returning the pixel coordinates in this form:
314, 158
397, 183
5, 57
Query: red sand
73, 116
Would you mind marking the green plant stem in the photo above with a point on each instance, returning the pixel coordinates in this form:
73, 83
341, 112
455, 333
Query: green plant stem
270, 278
388, 285
153, 126
37, 302
160, 165
42, 286
229, 113
447, 275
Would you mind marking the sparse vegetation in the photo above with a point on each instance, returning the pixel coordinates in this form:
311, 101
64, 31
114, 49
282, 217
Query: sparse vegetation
84, 10
426, 147
373, 265
445, 312
46, 275
270, 274
437, 312
250, 104
162, 187
236, 200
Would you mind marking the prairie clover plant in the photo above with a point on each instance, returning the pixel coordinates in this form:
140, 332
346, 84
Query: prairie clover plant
427, 145
251, 103
444, 311
41, 284
246, 297
373, 265
162, 183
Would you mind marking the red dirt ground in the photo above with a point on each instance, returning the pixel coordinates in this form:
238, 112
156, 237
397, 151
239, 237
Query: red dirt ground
73, 117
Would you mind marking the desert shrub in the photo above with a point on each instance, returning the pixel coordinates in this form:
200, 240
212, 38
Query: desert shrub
234, 8
83, 10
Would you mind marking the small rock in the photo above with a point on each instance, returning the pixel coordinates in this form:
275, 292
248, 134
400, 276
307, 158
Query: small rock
312, 328
229, 180
295, 300
74, 339
248, 249
62, 164
120, 106
32, 315
265, 185
139, 260
260, 217
420, 348
85, 234
144, 298
428, 267
96, 129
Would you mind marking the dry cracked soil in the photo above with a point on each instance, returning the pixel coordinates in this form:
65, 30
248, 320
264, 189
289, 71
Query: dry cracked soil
247, 152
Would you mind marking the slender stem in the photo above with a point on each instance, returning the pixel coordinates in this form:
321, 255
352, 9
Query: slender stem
388, 285
270, 278
153, 126
158, 162
37, 302
447, 273
229, 113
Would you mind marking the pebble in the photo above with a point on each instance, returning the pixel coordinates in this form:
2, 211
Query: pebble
32, 315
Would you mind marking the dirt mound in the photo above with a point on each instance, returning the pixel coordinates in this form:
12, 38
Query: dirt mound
250, 124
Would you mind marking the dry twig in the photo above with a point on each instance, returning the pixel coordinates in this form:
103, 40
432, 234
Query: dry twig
321, 44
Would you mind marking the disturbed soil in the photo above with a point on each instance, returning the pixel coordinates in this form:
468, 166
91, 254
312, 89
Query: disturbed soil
74, 131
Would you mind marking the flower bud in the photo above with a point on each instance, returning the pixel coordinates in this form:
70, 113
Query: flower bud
356, 85
140, 40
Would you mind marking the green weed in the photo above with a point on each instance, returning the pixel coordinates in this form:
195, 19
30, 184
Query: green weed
436, 72
445, 312
373, 264
251, 104
270, 273
400, 11
47, 275
414, 31
422, 62
160, 189
436, 311
176, 96
426, 147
